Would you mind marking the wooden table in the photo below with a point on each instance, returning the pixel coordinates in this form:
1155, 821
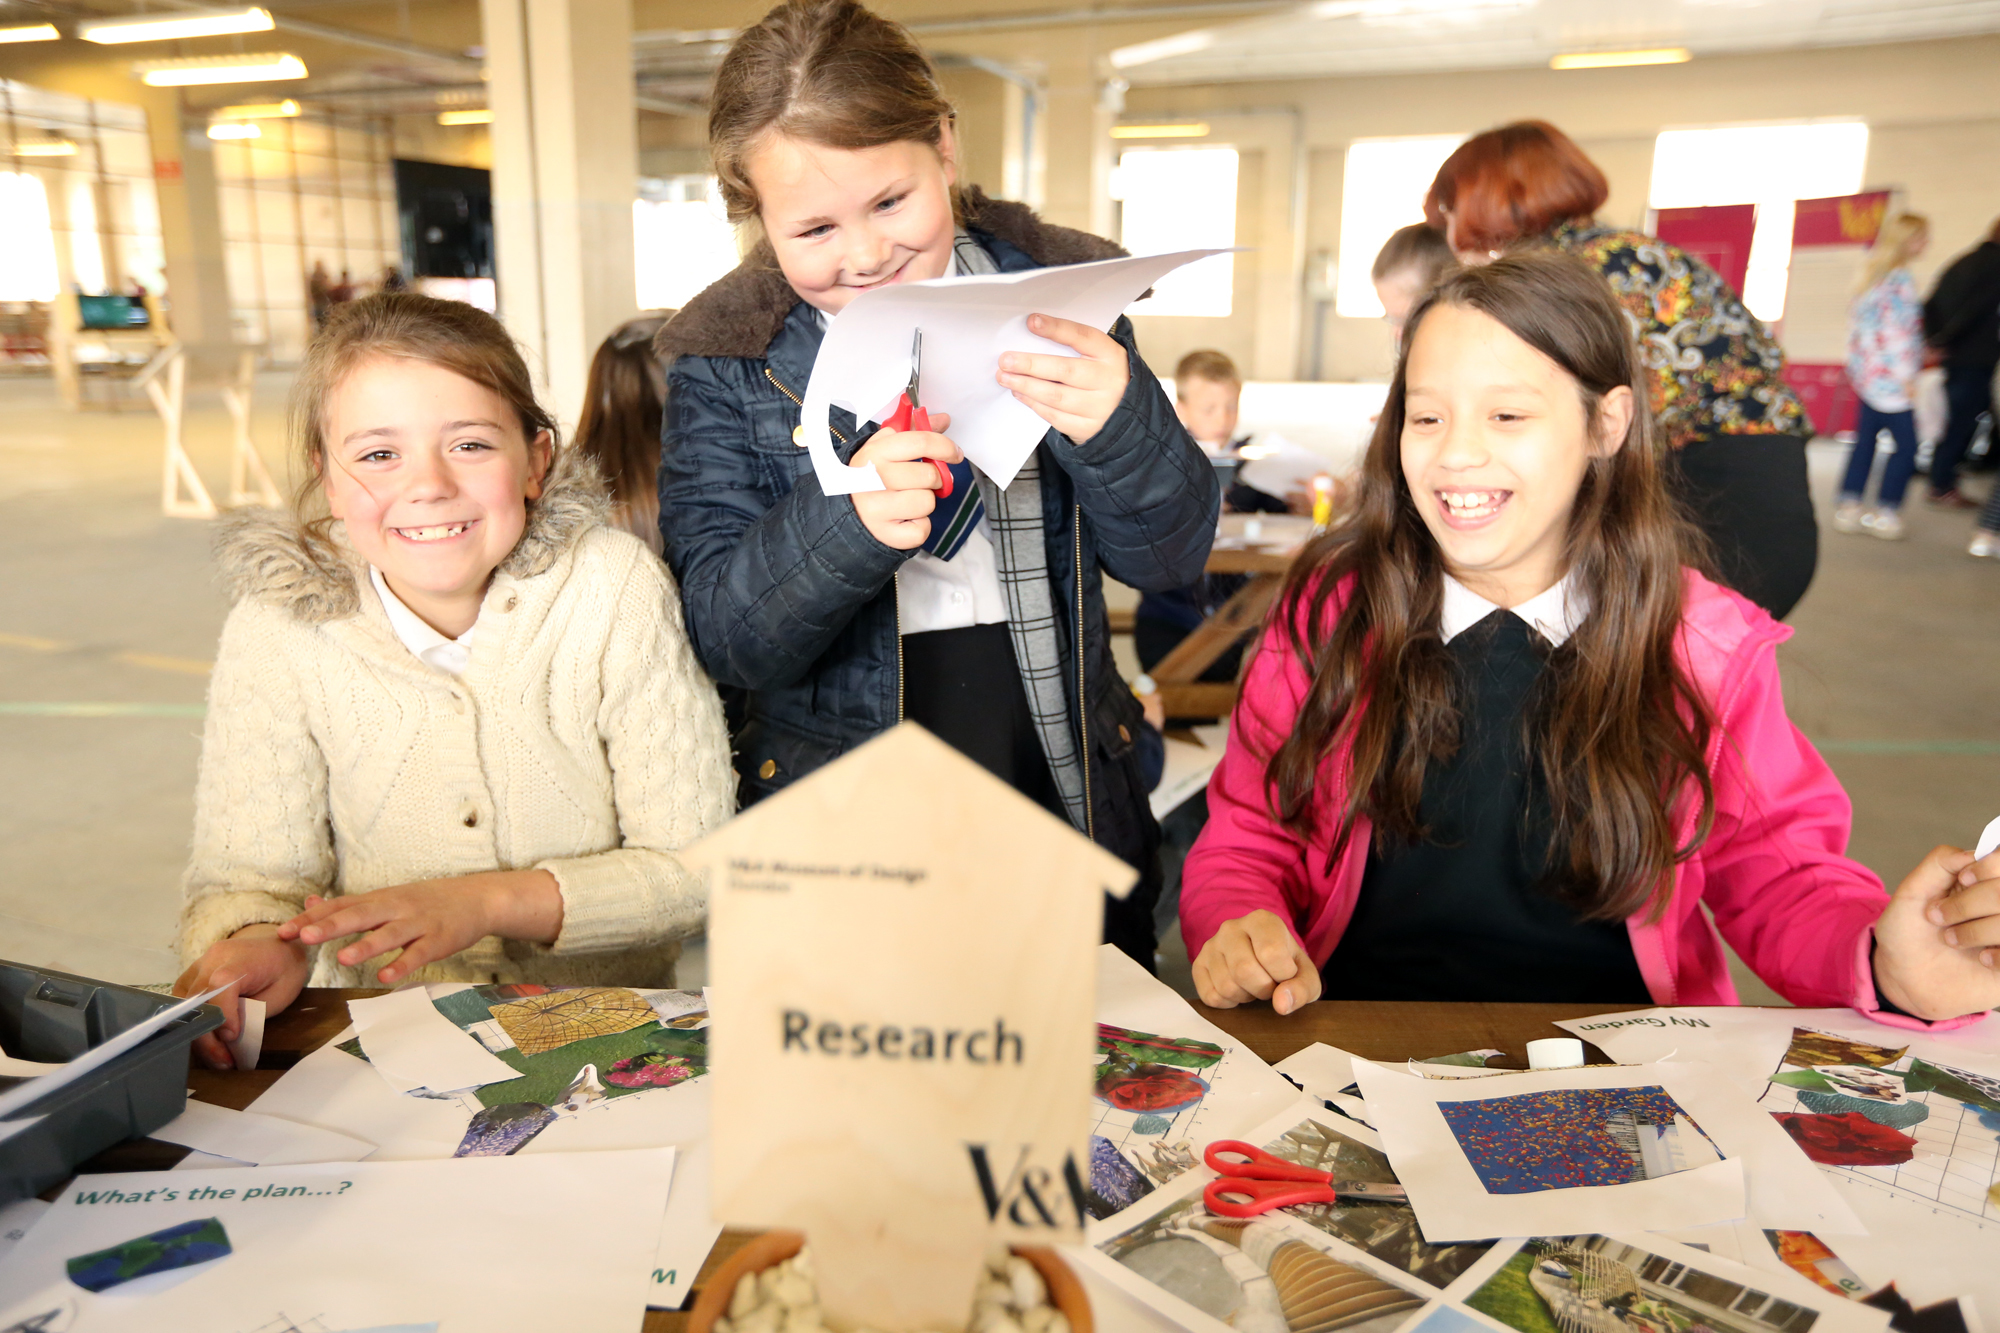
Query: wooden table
1376, 1029
1265, 558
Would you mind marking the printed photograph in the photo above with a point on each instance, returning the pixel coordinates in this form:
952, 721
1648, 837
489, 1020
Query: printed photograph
1811, 1049
1148, 1091
1258, 1276
1593, 1284
1576, 1137
1388, 1231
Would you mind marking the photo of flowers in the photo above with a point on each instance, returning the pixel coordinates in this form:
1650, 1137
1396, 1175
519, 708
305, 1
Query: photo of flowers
1576, 1137
1147, 1093
1926, 1130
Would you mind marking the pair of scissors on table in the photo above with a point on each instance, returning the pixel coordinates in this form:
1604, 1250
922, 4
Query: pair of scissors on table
911, 415
1260, 1182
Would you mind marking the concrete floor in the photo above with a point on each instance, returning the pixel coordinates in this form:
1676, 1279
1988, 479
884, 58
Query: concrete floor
110, 613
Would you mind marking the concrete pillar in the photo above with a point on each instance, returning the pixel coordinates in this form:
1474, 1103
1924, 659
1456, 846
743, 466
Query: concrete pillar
1082, 105
191, 235
565, 174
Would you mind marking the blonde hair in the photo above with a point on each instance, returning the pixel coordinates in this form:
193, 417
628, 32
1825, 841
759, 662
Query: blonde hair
451, 335
1899, 236
830, 72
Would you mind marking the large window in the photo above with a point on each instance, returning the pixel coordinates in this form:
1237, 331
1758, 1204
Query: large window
681, 239
1382, 189
27, 242
77, 206
1180, 199
1771, 166
308, 190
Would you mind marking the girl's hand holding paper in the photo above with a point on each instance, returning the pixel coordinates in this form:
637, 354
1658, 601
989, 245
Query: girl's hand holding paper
433, 919
1937, 944
254, 962
1075, 394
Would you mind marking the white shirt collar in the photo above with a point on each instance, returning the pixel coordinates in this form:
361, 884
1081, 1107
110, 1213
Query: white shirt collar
429, 646
1554, 613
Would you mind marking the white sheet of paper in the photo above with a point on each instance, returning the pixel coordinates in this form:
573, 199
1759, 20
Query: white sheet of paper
500, 1244
13, 1068
259, 1140
333, 1090
1280, 467
16, 1218
1188, 768
412, 1045
249, 1043
864, 360
1763, 1177
63, 1075
1989, 841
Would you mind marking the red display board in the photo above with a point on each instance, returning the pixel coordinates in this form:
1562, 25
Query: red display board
1719, 237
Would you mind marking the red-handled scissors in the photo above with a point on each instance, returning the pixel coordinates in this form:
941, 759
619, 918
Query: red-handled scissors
1260, 1182
910, 413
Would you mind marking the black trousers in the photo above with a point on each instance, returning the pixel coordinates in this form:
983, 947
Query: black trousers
1748, 494
1969, 391
964, 686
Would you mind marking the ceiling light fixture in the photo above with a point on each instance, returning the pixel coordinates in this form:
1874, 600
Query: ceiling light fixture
1195, 129
235, 131
1163, 48
158, 28
1661, 55
220, 69
256, 111
30, 32
476, 116
46, 148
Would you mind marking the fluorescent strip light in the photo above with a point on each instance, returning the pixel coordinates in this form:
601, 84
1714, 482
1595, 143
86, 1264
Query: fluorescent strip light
158, 29
46, 148
240, 131
256, 111
1163, 48
1191, 130
476, 116
220, 69
30, 32
1664, 55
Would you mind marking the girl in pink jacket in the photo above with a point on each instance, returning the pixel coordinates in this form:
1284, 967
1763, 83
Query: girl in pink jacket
1502, 742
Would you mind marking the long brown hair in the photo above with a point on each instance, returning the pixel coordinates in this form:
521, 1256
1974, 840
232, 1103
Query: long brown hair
619, 429
1616, 727
830, 72
450, 334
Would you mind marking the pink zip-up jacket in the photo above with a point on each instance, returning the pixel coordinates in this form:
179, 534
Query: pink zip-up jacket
1773, 870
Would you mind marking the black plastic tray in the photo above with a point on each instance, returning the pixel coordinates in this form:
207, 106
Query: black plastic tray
53, 1016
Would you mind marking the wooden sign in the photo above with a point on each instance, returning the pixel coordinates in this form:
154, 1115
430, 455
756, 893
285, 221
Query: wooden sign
903, 960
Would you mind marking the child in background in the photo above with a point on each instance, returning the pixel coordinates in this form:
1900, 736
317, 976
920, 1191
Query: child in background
979, 614
455, 716
1408, 265
1885, 350
619, 429
1503, 743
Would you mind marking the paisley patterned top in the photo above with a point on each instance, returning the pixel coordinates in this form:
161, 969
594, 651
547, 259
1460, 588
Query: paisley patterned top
1715, 369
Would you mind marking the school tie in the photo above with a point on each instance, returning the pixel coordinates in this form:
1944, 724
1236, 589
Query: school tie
955, 517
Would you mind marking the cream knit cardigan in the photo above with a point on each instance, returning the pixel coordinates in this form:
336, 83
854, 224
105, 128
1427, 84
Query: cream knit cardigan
583, 739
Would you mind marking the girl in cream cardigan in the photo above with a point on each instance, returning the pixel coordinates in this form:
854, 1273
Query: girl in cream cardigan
454, 726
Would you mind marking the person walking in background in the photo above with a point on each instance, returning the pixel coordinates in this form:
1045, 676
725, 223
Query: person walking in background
1962, 320
1716, 376
319, 293
1408, 265
1885, 350
619, 430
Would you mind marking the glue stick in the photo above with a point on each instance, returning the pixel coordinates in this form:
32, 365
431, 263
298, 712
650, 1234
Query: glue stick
1322, 501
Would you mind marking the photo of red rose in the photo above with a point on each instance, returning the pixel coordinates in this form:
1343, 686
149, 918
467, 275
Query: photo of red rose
1847, 1139
1150, 1088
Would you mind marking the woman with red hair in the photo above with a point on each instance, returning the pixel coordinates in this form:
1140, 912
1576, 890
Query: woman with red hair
1716, 375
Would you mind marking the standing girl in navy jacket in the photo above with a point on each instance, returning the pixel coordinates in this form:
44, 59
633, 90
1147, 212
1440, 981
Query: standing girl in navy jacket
980, 615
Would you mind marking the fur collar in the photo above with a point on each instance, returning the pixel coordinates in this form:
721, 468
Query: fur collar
267, 554
740, 313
